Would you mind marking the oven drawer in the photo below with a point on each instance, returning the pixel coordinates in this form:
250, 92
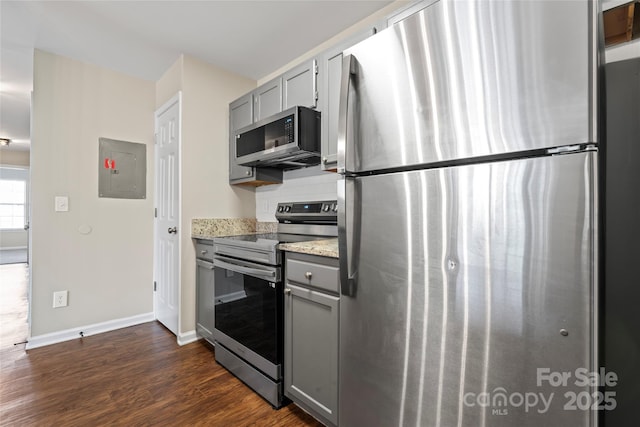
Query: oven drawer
204, 249
306, 270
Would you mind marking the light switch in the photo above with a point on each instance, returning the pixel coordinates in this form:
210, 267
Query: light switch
62, 203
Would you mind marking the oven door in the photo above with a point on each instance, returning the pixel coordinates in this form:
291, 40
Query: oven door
249, 312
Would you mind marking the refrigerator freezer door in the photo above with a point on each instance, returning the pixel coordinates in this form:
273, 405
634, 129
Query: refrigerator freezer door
475, 286
463, 79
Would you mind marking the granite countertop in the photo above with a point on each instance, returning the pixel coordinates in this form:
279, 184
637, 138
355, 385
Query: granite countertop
326, 247
208, 228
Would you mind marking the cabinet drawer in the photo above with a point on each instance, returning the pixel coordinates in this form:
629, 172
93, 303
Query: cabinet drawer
204, 250
312, 274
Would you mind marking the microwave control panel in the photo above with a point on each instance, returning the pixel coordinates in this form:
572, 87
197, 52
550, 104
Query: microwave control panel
288, 128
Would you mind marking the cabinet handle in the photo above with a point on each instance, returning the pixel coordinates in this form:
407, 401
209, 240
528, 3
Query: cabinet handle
287, 291
308, 275
325, 160
248, 173
203, 252
172, 230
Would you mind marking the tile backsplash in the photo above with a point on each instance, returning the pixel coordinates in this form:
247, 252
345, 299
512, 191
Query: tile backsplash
300, 185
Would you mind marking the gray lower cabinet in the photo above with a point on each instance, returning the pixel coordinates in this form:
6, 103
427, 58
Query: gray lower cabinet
312, 307
205, 302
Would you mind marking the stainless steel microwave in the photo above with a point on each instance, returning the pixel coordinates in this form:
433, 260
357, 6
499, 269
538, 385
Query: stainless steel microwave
285, 140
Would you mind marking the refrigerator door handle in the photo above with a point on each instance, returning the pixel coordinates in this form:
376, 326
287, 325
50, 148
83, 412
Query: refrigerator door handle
348, 234
348, 70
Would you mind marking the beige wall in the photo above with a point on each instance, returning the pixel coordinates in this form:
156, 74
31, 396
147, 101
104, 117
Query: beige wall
14, 158
108, 271
206, 93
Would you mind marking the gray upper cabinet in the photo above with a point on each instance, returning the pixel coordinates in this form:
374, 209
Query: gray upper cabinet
330, 76
242, 111
240, 115
268, 99
299, 85
314, 83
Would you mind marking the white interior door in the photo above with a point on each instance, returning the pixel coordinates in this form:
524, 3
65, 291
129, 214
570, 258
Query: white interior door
167, 233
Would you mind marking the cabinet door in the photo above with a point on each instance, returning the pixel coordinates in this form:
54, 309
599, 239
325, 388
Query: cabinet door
311, 350
205, 303
268, 99
329, 102
240, 115
300, 85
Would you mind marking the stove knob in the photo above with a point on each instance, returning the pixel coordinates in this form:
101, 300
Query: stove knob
287, 209
326, 208
335, 207
280, 209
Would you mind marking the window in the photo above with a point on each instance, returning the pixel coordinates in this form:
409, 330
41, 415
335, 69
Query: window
12, 204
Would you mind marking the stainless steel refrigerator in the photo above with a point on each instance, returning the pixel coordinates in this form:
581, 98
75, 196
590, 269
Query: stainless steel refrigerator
468, 223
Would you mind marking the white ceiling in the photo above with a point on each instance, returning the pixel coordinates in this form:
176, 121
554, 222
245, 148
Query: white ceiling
143, 38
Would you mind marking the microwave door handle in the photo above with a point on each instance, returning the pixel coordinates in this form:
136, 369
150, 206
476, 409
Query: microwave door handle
314, 80
348, 71
245, 270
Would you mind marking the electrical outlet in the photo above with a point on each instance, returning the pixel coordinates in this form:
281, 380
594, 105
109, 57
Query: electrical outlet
60, 299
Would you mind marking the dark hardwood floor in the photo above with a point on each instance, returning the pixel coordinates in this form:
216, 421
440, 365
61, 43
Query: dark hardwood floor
131, 377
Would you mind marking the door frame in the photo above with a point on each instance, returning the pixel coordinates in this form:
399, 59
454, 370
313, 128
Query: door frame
177, 98
27, 218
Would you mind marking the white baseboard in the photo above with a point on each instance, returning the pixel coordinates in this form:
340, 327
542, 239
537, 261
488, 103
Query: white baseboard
88, 330
187, 337
13, 248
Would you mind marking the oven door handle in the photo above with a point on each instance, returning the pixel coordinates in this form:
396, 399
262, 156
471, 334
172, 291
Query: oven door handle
256, 272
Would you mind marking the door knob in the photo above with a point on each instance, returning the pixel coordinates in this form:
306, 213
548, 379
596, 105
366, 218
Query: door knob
287, 291
173, 230
308, 275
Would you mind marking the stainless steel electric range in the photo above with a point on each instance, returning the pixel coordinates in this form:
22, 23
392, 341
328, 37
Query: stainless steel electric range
249, 297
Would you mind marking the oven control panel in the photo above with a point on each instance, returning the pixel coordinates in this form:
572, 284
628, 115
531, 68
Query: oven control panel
307, 211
